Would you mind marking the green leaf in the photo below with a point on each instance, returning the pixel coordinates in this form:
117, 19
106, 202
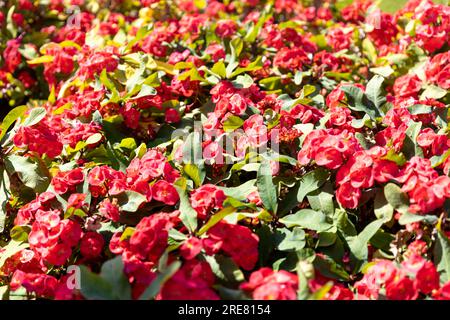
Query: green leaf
216, 218
326, 239
419, 109
253, 66
410, 145
341, 4
358, 245
266, 188
398, 158
159, 281
110, 86
192, 149
241, 192
130, 200
232, 63
4, 290
433, 92
127, 233
187, 214
10, 118
307, 218
112, 272
238, 45
407, 218
289, 202
322, 200
385, 71
369, 50
382, 208
10, 26
330, 268
438, 160
4, 197
145, 91
196, 173
303, 288
128, 143
270, 83
359, 123
311, 182
374, 91
396, 197
140, 34
29, 172
225, 269
358, 101
20, 233
232, 123
35, 116
255, 30
243, 82
287, 240
219, 69
298, 78
134, 82
441, 256
344, 224
363, 141
110, 284
94, 139
320, 40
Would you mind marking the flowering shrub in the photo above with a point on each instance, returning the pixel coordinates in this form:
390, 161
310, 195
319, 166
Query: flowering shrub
181, 149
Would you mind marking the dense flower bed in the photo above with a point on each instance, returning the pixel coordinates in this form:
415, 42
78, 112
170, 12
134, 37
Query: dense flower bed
204, 149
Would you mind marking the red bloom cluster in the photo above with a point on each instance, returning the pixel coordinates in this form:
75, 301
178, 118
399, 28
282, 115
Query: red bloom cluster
266, 284
405, 281
328, 148
206, 198
236, 241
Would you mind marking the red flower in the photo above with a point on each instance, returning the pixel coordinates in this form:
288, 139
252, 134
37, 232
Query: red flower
226, 28
427, 278
407, 85
149, 239
165, 192
266, 284
438, 70
206, 198
237, 241
191, 248
172, 116
27, 80
290, 59
65, 181
91, 245
43, 285
443, 293
216, 52
131, 116
58, 254
38, 138
401, 288
94, 63
109, 209
348, 196
193, 282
